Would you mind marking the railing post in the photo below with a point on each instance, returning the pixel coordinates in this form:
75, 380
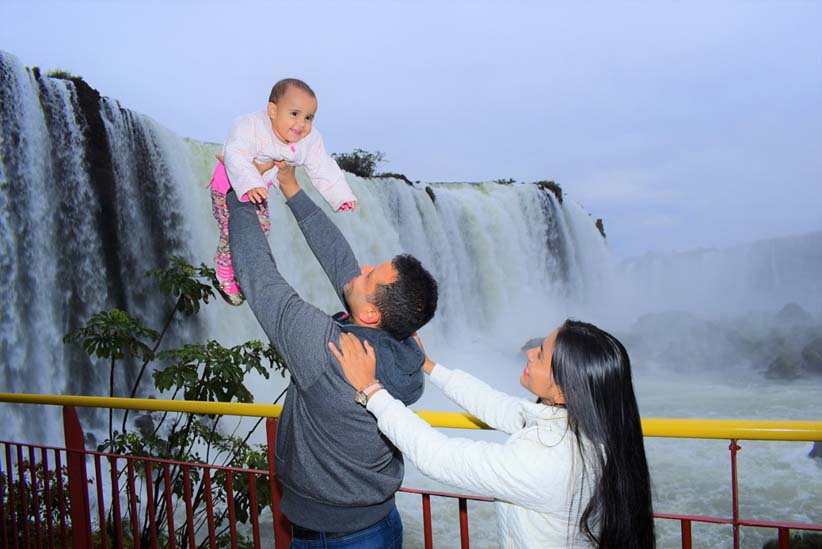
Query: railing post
734, 448
784, 538
426, 521
282, 528
80, 510
685, 529
464, 543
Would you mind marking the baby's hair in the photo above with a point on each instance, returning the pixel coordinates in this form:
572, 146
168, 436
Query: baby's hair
280, 88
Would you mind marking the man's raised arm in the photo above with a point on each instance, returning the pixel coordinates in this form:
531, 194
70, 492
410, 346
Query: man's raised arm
297, 329
323, 237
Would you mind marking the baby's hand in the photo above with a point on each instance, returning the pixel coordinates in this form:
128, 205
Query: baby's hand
257, 194
348, 206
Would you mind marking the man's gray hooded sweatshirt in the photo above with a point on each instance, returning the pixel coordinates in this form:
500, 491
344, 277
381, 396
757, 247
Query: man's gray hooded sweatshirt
337, 471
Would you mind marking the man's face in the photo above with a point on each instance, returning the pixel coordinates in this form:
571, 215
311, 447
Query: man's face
292, 115
360, 290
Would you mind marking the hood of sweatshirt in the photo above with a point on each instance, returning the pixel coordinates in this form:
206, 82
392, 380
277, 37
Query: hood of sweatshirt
399, 363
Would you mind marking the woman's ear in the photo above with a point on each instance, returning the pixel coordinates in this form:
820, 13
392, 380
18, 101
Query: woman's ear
560, 398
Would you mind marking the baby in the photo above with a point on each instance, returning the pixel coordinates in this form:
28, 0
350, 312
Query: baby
256, 145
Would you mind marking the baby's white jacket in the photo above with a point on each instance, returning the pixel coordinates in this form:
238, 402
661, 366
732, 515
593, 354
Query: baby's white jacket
252, 139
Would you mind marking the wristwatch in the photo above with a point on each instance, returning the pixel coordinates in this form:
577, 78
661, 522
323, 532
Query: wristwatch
361, 397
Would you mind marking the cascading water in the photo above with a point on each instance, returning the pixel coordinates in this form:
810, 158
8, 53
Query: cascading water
90, 202
94, 195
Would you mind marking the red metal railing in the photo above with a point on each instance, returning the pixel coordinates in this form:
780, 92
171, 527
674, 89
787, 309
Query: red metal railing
22, 513
735, 521
46, 504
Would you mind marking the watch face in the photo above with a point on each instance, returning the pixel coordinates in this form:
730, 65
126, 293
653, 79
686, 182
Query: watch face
361, 398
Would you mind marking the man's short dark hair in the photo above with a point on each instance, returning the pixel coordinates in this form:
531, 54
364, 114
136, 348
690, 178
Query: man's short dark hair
280, 88
409, 302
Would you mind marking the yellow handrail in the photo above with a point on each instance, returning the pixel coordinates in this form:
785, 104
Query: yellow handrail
188, 406
739, 429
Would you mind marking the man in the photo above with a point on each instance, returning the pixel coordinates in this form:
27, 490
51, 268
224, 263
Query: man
338, 474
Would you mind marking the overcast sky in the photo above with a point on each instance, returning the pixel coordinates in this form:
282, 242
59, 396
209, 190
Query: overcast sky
681, 124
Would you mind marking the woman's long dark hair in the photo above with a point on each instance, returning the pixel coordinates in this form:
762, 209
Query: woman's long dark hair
594, 372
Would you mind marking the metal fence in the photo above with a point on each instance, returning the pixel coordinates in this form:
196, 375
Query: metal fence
48, 495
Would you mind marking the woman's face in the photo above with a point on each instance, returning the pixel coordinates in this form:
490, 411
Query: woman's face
538, 377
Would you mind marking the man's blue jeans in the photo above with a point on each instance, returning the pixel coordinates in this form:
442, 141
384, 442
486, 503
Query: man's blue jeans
386, 534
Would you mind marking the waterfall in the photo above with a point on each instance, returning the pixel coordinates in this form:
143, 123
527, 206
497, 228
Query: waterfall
95, 195
92, 198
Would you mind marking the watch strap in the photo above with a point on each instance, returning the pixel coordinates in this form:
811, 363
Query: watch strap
367, 388
361, 397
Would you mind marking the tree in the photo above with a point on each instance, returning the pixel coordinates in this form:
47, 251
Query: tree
206, 372
361, 163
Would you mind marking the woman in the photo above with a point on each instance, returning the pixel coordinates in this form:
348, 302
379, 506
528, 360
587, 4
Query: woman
573, 473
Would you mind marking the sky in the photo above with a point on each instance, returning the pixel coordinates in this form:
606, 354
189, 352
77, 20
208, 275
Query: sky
681, 124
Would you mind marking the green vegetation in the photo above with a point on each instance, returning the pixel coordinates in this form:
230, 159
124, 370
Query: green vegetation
504, 181
205, 372
35, 483
61, 74
361, 163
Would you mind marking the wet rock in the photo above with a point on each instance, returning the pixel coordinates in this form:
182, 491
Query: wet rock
551, 186
392, 175
812, 357
89, 440
100, 166
430, 192
681, 341
784, 367
803, 540
794, 315
144, 424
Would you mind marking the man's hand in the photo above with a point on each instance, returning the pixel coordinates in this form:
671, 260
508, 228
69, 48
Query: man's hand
257, 194
265, 166
287, 177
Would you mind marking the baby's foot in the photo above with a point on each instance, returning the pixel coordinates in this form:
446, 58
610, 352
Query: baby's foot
230, 292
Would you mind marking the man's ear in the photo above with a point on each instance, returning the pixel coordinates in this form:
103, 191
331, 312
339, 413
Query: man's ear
272, 110
370, 316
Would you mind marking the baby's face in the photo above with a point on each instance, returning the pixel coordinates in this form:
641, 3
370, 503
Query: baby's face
293, 115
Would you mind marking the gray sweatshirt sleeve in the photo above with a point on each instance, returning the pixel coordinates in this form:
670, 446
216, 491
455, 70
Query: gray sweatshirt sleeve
326, 242
298, 330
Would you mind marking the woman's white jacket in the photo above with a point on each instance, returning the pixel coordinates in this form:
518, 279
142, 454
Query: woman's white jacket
535, 476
